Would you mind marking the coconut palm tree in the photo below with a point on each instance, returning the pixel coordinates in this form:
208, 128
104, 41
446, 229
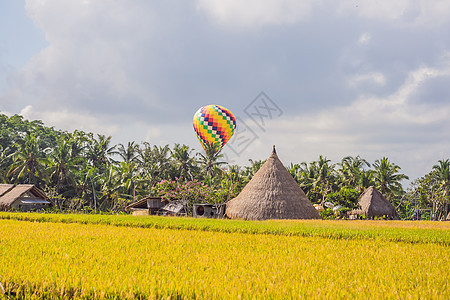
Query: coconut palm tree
64, 162
99, 152
130, 153
386, 177
184, 162
155, 163
128, 175
209, 162
29, 161
324, 177
442, 171
4, 162
365, 180
351, 172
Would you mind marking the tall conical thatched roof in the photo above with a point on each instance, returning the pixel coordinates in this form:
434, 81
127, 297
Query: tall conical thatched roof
374, 204
271, 194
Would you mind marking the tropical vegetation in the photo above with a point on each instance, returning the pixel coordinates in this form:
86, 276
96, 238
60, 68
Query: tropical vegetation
84, 171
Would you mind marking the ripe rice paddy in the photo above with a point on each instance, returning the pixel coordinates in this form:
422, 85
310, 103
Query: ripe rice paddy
80, 256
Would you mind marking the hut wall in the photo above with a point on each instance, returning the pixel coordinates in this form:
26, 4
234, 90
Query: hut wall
209, 211
18, 205
140, 212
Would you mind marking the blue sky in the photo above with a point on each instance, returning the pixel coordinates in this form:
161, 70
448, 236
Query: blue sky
368, 78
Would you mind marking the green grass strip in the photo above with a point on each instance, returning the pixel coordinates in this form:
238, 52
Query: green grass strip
395, 231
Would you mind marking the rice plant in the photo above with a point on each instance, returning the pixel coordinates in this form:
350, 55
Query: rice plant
62, 259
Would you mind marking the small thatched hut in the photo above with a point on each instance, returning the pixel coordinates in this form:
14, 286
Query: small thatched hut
272, 193
22, 197
373, 204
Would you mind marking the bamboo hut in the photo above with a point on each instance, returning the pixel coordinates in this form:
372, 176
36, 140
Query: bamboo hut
373, 204
22, 197
272, 193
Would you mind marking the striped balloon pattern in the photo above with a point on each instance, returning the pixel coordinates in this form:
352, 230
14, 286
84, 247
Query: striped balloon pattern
214, 124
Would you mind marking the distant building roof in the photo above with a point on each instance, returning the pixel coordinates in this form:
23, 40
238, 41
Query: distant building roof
147, 203
9, 193
176, 206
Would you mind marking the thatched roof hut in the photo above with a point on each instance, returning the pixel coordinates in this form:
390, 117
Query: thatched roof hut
373, 204
272, 193
23, 197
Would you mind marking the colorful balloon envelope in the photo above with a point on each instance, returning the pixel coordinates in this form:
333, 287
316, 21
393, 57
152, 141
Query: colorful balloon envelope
214, 124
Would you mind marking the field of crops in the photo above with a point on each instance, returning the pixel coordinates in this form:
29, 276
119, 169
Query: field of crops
82, 256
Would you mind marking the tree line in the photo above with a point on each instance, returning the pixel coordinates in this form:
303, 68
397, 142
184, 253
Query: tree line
83, 171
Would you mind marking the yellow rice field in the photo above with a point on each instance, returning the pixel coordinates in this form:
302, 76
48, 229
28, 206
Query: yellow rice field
73, 260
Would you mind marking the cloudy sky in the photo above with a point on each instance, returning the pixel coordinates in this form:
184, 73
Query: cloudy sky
333, 78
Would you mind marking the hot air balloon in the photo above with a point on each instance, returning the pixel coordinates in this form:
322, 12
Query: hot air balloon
214, 124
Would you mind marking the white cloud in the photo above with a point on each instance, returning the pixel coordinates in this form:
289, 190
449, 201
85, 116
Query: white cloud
364, 39
71, 120
255, 13
95, 48
412, 133
341, 71
432, 13
376, 78
413, 12
390, 10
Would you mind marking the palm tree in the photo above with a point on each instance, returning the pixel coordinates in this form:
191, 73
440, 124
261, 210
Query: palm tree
99, 152
127, 176
294, 170
209, 161
29, 161
304, 175
155, 163
254, 167
65, 162
130, 153
366, 180
386, 178
441, 172
237, 178
323, 169
352, 170
88, 184
184, 161
324, 176
5, 157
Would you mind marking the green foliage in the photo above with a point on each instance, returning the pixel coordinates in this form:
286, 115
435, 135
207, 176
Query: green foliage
386, 178
431, 191
346, 197
190, 191
87, 170
328, 214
